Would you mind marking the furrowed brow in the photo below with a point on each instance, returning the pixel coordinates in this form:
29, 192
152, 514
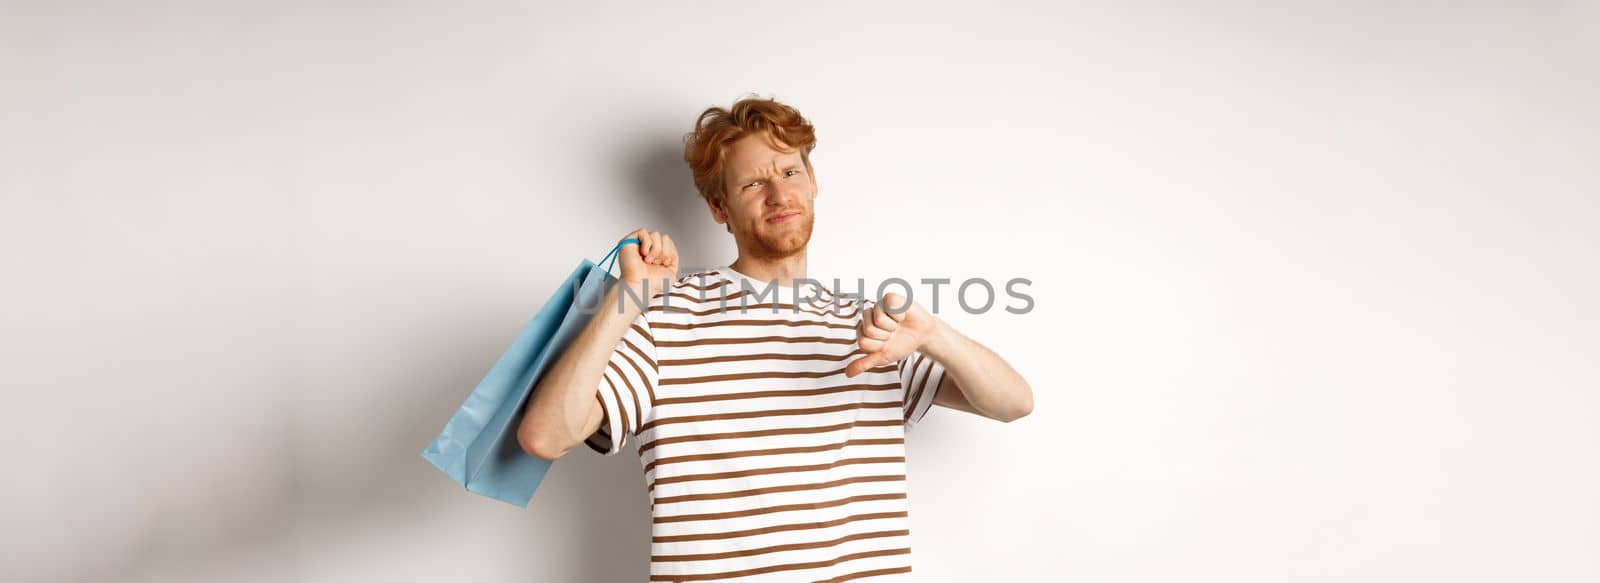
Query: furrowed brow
748, 179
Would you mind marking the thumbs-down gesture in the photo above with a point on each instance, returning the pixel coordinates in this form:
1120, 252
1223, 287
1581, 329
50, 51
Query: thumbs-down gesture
889, 331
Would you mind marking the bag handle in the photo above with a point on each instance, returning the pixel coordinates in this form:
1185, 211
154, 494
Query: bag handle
613, 255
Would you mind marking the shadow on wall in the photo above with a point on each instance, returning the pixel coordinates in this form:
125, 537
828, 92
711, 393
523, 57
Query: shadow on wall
347, 514
665, 190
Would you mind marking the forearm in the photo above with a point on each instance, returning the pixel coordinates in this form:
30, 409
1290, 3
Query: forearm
559, 410
991, 386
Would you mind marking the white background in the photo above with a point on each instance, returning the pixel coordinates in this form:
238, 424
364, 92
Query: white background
1316, 281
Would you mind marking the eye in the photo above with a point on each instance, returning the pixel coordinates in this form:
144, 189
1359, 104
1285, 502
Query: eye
795, 171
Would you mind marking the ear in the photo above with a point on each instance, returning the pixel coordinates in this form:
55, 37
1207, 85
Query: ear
717, 213
812, 176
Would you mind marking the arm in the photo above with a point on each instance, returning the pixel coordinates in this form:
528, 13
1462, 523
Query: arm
976, 381
563, 410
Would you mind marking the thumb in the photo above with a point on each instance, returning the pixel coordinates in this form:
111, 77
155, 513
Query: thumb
864, 363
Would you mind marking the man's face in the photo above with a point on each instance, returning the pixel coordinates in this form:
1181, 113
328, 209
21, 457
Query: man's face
768, 200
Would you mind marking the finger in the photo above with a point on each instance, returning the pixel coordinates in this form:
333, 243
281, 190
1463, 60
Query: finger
883, 319
672, 251
645, 243
871, 344
873, 332
655, 248
637, 244
896, 306
864, 363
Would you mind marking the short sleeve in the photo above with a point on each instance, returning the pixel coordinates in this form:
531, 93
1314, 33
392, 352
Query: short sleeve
627, 388
919, 382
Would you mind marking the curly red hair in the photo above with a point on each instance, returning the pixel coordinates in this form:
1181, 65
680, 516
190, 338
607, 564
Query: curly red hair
705, 148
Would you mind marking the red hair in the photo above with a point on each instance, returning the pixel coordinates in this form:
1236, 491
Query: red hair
705, 149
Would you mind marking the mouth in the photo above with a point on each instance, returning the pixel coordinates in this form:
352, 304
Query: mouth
784, 216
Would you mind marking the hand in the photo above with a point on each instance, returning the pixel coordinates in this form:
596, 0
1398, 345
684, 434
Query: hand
655, 258
890, 331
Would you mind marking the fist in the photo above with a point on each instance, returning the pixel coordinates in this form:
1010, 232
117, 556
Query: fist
654, 258
889, 331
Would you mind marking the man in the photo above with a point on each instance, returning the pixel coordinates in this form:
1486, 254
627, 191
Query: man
772, 440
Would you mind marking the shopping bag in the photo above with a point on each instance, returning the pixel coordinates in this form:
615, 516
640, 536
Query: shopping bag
478, 447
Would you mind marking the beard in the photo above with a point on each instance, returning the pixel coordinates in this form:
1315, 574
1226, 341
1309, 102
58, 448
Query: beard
780, 241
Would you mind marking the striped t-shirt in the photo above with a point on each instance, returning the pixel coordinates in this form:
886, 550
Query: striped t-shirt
762, 460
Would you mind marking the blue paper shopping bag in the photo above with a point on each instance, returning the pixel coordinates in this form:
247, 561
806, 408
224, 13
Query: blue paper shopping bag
478, 447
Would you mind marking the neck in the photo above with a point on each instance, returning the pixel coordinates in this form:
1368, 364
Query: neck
784, 270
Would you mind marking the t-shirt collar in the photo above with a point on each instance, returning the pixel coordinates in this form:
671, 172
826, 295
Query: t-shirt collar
806, 288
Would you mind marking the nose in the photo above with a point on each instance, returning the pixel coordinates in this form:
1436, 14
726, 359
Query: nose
782, 194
